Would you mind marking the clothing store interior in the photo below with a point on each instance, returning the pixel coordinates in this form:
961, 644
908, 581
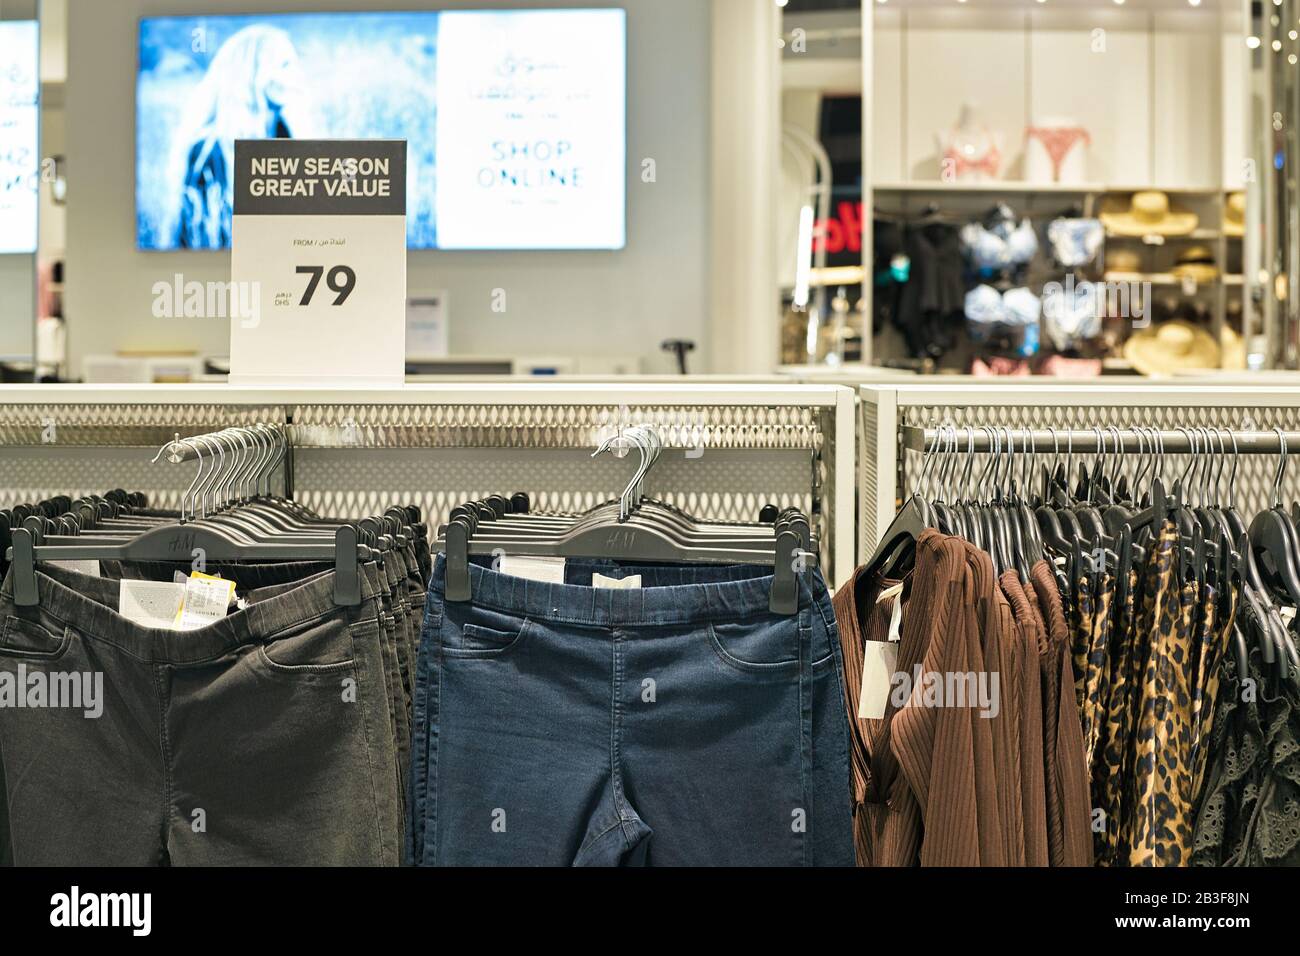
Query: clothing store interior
667, 433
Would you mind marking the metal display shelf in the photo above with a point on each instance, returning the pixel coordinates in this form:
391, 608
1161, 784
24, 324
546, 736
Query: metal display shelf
730, 448
896, 418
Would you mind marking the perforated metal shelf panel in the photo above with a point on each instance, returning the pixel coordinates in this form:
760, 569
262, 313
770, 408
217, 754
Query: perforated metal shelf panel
552, 426
728, 451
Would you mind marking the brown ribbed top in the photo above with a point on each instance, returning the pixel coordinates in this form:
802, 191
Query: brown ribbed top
861, 617
991, 729
1068, 804
939, 751
1029, 638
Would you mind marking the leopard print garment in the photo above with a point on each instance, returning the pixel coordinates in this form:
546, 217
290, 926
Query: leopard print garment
1163, 820
1108, 756
1096, 678
1159, 615
1081, 626
1214, 646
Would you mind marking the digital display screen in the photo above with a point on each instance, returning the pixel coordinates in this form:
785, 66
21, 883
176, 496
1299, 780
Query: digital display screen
20, 161
514, 120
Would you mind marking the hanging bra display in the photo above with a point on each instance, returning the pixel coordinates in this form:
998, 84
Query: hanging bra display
1012, 314
1075, 242
1072, 313
1004, 245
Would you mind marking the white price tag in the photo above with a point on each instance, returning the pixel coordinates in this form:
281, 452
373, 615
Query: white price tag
206, 601
617, 584
150, 603
879, 662
533, 567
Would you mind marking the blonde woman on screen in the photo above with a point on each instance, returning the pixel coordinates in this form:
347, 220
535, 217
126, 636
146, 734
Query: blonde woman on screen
253, 89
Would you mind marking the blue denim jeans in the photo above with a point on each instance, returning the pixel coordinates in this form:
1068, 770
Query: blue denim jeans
678, 723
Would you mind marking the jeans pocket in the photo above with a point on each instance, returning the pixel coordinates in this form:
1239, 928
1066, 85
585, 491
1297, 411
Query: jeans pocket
32, 641
482, 632
318, 650
761, 649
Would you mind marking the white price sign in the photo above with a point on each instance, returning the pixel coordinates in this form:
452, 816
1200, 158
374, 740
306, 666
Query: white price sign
318, 252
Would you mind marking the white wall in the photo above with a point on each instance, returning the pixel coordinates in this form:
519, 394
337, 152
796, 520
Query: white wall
559, 303
1146, 84
17, 306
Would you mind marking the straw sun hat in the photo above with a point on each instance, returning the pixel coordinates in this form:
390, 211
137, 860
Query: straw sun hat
1171, 347
1147, 214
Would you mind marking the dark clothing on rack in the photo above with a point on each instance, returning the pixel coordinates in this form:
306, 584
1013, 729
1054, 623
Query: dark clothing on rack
887, 246
1250, 814
931, 306
258, 739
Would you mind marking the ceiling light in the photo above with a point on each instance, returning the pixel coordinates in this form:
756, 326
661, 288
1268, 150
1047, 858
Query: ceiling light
1119, 3
1277, 46
1292, 59
1292, 35
1252, 42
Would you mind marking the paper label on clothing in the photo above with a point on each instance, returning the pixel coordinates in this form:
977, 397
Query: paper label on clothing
879, 662
80, 567
533, 567
895, 615
150, 603
206, 599
1288, 615
618, 584
896, 622
891, 591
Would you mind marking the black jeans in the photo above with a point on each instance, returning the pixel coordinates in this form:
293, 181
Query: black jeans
263, 738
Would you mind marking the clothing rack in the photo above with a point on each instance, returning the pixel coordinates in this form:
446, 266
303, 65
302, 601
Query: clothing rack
978, 439
729, 449
894, 419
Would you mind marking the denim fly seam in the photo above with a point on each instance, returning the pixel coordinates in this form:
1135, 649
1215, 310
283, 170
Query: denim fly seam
170, 816
389, 842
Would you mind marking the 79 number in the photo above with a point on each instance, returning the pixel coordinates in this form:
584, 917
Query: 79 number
341, 279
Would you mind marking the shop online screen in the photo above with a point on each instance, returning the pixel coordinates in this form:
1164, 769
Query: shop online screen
19, 145
514, 119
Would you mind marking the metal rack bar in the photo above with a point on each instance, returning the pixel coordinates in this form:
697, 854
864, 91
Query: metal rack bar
962, 439
733, 443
